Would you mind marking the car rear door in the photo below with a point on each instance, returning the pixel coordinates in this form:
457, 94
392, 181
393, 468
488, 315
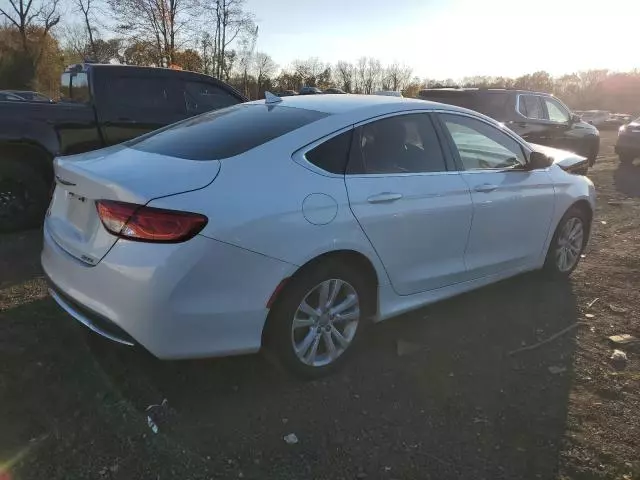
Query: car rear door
133, 103
512, 206
530, 122
414, 207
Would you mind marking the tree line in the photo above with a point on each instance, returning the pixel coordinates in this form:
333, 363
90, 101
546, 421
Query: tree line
218, 38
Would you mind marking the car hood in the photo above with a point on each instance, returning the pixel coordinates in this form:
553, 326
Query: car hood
566, 160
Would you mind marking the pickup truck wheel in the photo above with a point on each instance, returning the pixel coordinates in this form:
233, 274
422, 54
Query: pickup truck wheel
24, 196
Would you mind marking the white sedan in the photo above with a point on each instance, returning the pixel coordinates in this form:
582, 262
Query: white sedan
292, 223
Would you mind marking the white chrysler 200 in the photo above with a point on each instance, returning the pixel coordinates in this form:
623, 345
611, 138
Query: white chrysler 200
291, 223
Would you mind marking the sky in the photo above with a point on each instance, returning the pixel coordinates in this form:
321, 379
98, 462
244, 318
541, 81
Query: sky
454, 38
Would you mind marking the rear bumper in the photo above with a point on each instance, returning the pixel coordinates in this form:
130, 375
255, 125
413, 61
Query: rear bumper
94, 322
195, 299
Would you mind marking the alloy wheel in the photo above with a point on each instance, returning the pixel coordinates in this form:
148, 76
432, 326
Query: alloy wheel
325, 323
569, 245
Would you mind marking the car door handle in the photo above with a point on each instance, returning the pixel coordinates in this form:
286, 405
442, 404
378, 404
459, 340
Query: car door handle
385, 197
485, 188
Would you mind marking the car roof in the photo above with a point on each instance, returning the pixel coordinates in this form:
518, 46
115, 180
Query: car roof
482, 90
341, 104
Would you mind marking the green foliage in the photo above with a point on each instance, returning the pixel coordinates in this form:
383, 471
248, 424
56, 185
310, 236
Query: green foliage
20, 69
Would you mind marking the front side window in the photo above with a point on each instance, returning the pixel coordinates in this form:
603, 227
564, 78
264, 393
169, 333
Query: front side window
481, 146
399, 144
557, 113
530, 106
74, 86
202, 97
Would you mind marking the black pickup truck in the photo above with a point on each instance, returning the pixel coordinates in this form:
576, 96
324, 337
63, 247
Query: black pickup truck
100, 105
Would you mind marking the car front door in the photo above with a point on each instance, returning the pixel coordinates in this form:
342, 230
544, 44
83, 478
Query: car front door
512, 206
414, 208
563, 133
531, 123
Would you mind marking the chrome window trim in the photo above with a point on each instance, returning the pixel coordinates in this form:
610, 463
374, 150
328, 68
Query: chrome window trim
300, 158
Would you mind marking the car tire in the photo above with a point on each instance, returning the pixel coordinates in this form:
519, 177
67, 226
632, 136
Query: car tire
626, 158
305, 350
24, 196
566, 247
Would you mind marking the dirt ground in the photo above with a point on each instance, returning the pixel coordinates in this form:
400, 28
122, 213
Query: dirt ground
452, 405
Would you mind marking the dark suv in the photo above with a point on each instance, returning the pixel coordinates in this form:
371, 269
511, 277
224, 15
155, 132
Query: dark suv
537, 117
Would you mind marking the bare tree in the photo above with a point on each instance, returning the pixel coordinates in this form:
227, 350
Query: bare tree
368, 74
311, 71
225, 22
154, 21
396, 77
206, 46
74, 40
265, 68
245, 58
344, 76
27, 15
86, 7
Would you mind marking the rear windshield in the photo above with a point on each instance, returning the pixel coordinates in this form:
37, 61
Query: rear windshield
225, 133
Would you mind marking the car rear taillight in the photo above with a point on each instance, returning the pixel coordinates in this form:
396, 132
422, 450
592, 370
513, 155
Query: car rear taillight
148, 224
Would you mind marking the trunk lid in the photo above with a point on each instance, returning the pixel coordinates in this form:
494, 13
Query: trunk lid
116, 173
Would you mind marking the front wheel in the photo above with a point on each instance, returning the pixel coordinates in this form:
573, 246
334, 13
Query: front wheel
318, 319
568, 243
625, 158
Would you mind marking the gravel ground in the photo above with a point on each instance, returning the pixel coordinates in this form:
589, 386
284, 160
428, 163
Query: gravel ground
431, 395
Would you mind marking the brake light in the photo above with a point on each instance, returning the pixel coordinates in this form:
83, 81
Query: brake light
148, 224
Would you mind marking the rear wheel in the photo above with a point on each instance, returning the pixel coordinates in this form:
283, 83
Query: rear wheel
568, 243
24, 196
319, 318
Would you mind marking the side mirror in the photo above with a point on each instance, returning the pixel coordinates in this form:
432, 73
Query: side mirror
538, 160
575, 118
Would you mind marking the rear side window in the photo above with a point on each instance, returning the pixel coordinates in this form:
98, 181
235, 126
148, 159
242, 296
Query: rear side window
200, 97
225, 133
530, 106
333, 154
139, 92
74, 87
